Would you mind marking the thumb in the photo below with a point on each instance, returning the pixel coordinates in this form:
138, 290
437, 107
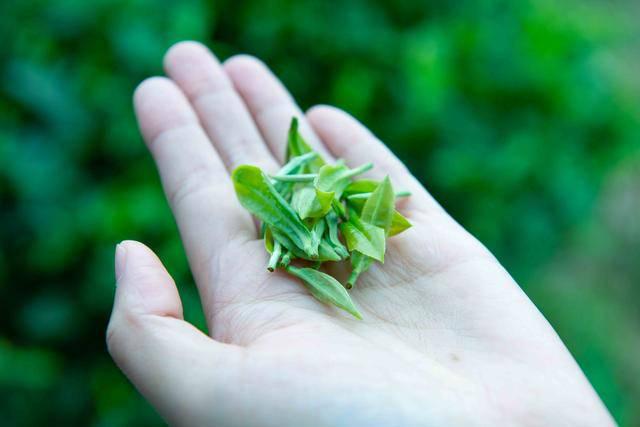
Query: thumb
169, 361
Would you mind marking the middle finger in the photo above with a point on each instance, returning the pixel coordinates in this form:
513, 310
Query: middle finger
220, 109
270, 104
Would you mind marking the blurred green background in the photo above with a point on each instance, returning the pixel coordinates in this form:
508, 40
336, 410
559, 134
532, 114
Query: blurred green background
522, 117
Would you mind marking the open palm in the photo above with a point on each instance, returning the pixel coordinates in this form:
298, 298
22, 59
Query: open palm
447, 337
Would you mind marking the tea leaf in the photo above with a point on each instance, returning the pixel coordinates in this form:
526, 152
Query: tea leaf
332, 224
364, 254
378, 209
338, 208
297, 146
335, 178
286, 242
325, 288
317, 230
303, 209
364, 237
359, 263
368, 240
326, 252
268, 238
361, 186
311, 203
256, 193
398, 224
325, 200
332, 178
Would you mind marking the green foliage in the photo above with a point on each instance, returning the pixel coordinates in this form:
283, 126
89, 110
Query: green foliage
521, 117
305, 219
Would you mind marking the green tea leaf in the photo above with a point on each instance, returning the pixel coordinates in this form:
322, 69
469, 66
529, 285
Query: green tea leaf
326, 252
335, 178
398, 224
326, 289
309, 202
332, 224
368, 240
361, 186
364, 237
287, 243
317, 230
256, 193
378, 209
297, 146
303, 208
359, 263
362, 189
339, 209
332, 178
268, 238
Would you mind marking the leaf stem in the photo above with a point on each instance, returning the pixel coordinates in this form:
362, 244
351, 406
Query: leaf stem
296, 162
361, 196
285, 260
357, 171
303, 177
337, 206
275, 256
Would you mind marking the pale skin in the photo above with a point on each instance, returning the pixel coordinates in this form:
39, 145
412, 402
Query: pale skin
447, 336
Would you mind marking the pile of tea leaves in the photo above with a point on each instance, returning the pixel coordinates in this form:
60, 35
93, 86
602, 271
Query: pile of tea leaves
313, 212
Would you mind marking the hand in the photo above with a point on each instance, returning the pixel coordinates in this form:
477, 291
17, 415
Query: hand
448, 338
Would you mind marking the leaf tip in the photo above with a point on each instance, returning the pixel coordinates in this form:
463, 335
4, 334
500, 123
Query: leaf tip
355, 313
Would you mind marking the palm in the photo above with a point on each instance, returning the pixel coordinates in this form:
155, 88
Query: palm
447, 336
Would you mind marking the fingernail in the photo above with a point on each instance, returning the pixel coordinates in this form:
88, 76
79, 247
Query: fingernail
121, 258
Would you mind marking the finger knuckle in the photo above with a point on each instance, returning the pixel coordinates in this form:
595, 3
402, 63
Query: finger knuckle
122, 328
199, 179
113, 338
